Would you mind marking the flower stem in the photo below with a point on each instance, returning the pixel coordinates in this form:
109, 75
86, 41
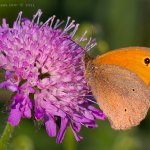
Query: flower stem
5, 136
69, 141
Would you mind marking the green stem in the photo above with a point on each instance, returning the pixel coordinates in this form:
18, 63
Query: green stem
69, 141
5, 136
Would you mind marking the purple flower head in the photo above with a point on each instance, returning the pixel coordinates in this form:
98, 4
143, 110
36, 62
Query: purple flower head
44, 69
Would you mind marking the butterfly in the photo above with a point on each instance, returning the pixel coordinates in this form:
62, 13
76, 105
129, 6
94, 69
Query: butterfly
119, 81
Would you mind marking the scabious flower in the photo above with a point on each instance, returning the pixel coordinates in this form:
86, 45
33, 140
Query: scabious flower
44, 69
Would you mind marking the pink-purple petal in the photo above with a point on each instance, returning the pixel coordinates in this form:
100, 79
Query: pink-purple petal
77, 137
97, 113
14, 117
62, 130
50, 125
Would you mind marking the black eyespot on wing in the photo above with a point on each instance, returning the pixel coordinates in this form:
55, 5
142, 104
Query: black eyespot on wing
147, 61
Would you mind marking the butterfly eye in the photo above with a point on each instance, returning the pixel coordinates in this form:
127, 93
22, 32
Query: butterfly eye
147, 61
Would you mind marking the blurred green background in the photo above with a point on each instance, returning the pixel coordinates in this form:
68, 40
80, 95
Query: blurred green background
115, 24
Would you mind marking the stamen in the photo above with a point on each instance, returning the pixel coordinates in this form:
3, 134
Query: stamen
75, 30
90, 44
38, 15
70, 26
78, 41
83, 38
18, 20
67, 22
58, 23
46, 23
51, 23
91, 101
